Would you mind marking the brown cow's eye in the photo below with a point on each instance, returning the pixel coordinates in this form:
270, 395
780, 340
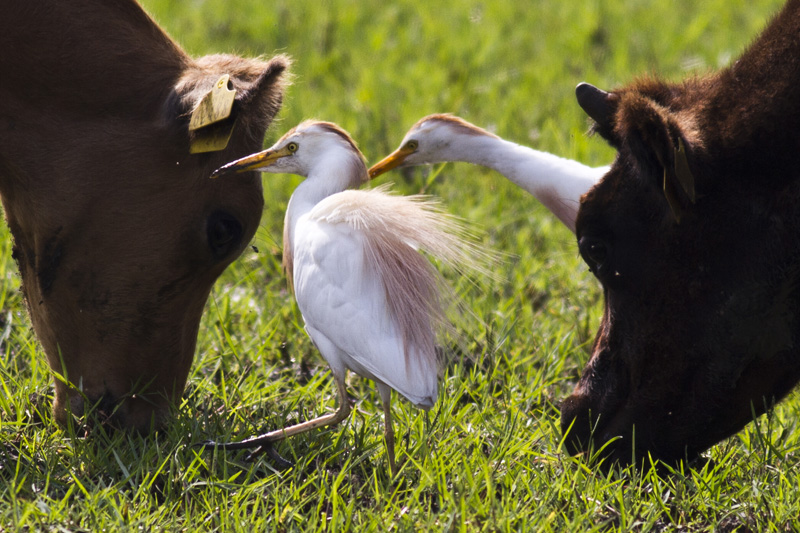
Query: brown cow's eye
594, 252
224, 234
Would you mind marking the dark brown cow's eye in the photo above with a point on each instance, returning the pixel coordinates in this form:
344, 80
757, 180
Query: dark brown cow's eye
224, 234
594, 251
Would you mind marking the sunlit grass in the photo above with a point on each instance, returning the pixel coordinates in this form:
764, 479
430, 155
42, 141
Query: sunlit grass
488, 455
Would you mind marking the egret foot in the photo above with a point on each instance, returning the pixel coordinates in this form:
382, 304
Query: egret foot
272, 453
263, 443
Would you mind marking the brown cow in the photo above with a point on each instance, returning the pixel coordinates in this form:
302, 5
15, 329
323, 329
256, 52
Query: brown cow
694, 234
118, 232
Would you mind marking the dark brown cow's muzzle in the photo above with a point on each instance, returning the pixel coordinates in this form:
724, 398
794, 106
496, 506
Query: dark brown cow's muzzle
595, 415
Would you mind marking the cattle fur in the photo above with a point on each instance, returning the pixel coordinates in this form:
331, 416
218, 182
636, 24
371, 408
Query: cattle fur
118, 232
702, 307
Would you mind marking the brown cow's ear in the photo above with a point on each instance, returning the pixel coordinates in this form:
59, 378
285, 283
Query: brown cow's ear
223, 92
655, 138
261, 99
601, 107
211, 125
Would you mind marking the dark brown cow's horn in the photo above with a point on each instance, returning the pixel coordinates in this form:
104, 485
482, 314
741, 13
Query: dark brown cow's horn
598, 104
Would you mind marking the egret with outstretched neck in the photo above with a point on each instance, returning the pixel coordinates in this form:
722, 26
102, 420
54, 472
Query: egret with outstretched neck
371, 302
556, 182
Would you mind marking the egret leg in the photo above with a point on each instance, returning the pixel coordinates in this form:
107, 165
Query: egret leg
261, 443
388, 428
342, 411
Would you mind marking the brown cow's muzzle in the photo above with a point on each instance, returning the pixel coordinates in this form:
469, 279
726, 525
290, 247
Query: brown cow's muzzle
128, 375
142, 412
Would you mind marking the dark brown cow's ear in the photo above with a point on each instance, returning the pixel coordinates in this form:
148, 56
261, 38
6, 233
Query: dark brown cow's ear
223, 92
660, 147
601, 106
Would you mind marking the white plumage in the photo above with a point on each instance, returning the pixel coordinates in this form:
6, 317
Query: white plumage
342, 290
556, 182
370, 301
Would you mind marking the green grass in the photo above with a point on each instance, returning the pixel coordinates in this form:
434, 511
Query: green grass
488, 455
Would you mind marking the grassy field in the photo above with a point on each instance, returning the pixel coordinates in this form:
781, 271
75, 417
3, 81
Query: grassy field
488, 455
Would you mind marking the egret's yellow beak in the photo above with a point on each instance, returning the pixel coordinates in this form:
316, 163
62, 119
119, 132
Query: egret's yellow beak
393, 160
251, 162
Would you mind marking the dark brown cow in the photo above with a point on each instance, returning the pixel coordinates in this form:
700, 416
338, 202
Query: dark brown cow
694, 234
118, 232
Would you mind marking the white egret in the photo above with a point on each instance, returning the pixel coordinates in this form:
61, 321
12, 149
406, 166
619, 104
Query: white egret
370, 301
556, 182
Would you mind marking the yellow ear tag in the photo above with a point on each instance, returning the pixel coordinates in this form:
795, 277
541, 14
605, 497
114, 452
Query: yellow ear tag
215, 106
683, 172
672, 198
209, 129
212, 138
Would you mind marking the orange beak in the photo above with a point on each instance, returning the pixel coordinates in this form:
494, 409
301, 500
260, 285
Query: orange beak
251, 162
393, 160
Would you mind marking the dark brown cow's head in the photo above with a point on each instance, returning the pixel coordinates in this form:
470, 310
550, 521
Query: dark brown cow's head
694, 234
119, 234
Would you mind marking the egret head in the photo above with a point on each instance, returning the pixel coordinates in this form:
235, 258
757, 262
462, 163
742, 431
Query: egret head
434, 139
312, 145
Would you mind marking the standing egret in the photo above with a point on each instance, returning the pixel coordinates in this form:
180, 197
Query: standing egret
556, 182
370, 301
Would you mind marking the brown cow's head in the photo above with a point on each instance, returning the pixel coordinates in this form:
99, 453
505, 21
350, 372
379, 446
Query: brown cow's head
119, 234
693, 234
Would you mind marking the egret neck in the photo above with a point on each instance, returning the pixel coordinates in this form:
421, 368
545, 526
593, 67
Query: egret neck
335, 171
556, 182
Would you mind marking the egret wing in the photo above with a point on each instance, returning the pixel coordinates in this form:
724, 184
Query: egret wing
344, 300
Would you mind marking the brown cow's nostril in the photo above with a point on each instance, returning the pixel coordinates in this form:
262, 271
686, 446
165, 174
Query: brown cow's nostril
109, 412
97, 411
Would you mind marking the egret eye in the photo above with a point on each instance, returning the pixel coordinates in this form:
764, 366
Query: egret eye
292, 147
412, 145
